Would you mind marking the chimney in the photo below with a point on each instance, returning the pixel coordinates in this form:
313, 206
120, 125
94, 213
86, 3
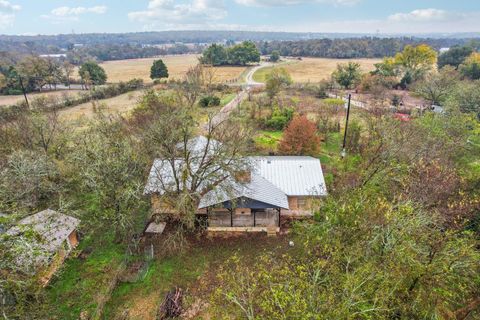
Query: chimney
244, 176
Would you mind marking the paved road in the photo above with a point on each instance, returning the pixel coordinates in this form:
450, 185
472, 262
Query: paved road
242, 95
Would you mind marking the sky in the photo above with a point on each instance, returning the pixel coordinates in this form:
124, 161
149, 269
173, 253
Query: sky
31, 17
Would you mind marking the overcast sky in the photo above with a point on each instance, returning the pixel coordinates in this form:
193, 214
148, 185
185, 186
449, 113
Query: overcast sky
359, 16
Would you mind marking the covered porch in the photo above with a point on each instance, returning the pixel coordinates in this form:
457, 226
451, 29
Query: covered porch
241, 218
244, 215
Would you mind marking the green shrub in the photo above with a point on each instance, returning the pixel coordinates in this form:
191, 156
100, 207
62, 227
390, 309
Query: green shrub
209, 101
279, 119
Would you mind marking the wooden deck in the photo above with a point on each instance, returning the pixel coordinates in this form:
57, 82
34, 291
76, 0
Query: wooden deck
243, 229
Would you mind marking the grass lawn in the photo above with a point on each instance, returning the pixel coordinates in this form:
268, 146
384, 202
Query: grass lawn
121, 104
80, 283
314, 69
227, 98
268, 140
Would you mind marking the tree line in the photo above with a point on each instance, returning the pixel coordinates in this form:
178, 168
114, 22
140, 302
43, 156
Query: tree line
34, 73
367, 47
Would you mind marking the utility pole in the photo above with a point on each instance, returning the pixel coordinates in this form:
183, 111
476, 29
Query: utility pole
344, 151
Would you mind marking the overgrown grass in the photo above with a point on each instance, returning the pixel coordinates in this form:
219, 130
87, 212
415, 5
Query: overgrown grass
268, 140
190, 271
79, 283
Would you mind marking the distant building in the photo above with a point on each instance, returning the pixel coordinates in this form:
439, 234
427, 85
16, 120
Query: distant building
54, 55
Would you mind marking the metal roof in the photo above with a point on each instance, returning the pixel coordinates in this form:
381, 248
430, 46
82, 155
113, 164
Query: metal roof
273, 178
258, 189
53, 229
162, 179
52, 226
294, 175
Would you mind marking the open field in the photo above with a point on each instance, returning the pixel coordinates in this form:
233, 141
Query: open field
10, 100
123, 104
124, 70
314, 69
120, 104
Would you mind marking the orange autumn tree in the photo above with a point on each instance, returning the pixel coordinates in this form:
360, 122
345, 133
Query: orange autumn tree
300, 138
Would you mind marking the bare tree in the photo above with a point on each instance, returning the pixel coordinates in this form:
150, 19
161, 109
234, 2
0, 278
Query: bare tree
188, 166
190, 89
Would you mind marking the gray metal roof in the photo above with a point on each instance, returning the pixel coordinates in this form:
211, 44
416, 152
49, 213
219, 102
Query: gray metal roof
294, 175
53, 229
161, 178
273, 178
258, 189
52, 226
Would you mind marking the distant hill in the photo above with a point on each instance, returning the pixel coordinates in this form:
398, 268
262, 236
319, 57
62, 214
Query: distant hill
163, 37
118, 46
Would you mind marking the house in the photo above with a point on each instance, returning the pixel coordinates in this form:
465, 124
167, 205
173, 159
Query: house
49, 237
254, 199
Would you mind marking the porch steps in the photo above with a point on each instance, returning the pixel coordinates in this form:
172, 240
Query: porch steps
271, 232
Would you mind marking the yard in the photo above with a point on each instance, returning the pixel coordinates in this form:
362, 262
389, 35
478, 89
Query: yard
313, 69
76, 289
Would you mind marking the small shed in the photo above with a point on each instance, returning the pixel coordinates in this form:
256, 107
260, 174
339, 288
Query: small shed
55, 236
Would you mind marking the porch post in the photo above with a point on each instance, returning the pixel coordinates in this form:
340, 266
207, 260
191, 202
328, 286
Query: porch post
208, 217
255, 218
279, 210
231, 217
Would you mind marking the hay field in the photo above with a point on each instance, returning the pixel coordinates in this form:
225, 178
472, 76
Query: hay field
314, 69
121, 104
124, 70
10, 100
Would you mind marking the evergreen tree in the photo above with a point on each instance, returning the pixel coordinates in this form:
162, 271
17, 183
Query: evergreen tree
159, 70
